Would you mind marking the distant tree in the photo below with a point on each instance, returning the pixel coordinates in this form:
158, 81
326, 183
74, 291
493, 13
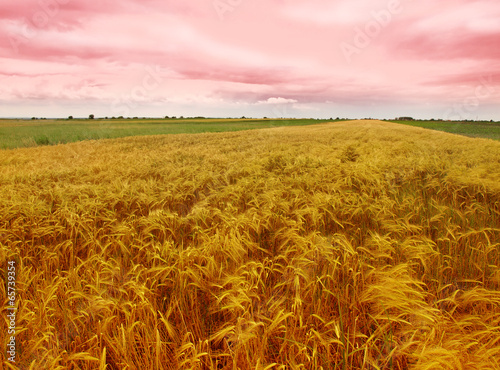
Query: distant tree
70, 117
33, 117
181, 117
166, 117
121, 117
91, 116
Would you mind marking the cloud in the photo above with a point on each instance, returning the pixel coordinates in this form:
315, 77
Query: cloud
278, 100
278, 52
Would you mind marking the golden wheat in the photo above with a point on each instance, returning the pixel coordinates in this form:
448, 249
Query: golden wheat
353, 245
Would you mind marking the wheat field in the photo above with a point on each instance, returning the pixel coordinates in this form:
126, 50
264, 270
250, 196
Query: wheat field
350, 245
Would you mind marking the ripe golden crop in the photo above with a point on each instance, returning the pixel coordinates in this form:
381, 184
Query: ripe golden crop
351, 245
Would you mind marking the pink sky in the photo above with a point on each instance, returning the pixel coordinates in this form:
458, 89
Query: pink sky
274, 58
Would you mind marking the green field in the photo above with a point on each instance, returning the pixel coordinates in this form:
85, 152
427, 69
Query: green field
29, 133
485, 130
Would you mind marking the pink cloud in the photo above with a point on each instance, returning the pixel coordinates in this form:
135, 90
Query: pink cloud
419, 56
